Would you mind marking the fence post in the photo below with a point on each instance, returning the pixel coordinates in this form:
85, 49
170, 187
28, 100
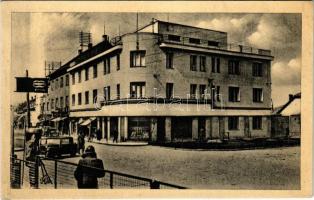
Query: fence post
56, 174
111, 180
154, 184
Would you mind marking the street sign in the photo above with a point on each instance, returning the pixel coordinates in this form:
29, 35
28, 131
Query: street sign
26, 84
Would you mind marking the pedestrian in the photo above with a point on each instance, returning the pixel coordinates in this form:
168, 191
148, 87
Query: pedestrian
98, 134
115, 135
89, 169
81, 143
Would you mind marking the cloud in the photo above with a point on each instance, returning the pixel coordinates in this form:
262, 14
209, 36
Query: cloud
286, 73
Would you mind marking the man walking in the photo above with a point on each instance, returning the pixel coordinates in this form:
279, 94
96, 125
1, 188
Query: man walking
89, 169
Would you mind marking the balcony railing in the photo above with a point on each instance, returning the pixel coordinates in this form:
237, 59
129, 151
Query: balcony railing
220, 46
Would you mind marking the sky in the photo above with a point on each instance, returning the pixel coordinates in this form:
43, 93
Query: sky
37, 37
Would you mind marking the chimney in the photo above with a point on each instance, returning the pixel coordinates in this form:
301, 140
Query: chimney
90, 45
290, 97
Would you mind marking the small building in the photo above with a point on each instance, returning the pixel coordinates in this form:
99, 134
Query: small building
286, 119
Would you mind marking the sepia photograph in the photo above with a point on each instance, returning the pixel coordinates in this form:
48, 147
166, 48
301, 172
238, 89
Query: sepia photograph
155, 100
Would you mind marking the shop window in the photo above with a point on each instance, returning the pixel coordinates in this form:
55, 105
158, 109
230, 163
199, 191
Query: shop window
137, 89
137, 58
233, 123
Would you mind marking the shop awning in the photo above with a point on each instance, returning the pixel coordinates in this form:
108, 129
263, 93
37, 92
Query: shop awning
88, 121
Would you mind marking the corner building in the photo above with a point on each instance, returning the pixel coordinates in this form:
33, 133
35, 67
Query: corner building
169, 82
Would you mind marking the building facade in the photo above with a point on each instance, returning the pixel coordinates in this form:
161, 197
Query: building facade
169, 82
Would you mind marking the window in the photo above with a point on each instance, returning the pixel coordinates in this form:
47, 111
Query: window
61, 82
87, 97
213, 43
79, 76
137, 58
57, 103
73, 99
169, 60
43, 107
61, 102
257, 95
193, 91
194, 41
95, 71
215, 65
169, 90
52, 104
66, 101
203, 63
51, 85
233, 123
233, 67
118, 62
87, 74
174, 38
193, 60
218, 93
47, 106
257, 122
257, 69
234, 94
79, 96
73, 78
202, 89
137, 89
107, 66
67, 80
94, 95
118, 91
57, 84
107, 93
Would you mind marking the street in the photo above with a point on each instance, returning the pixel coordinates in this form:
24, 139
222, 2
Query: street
277, 168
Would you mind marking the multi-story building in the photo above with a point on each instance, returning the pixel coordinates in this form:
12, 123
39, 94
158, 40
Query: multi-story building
169, 82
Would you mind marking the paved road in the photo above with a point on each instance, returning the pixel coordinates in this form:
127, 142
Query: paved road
277, 168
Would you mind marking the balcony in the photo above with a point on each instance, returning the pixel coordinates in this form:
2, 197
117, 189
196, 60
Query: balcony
186, 41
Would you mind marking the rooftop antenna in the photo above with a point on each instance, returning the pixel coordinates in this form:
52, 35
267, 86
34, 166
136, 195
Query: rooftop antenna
137, 39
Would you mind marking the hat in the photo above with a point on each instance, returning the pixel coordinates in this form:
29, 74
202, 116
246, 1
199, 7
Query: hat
89, 151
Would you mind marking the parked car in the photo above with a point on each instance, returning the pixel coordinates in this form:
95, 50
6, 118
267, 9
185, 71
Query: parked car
57, 146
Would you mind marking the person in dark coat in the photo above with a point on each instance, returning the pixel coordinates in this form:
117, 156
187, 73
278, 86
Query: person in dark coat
81, 143
115, 135
89, 169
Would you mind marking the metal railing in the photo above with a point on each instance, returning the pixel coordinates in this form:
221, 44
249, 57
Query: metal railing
51, 173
